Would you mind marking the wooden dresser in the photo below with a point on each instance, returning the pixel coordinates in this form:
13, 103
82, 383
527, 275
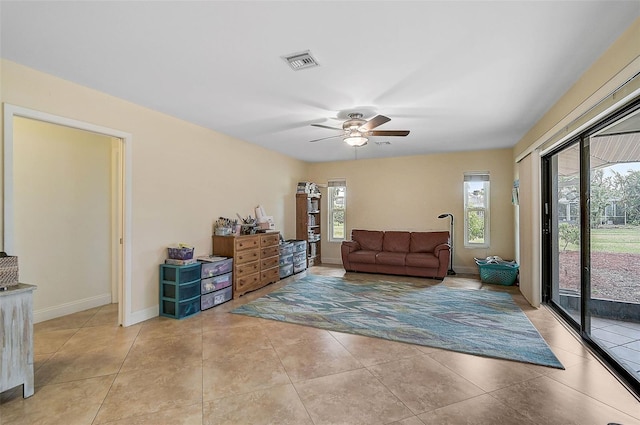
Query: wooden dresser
256, 259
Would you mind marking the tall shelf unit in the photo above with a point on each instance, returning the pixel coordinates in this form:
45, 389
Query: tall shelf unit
309, 224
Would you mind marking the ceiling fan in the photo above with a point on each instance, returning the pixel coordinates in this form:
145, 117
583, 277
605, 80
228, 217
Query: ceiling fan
356, 131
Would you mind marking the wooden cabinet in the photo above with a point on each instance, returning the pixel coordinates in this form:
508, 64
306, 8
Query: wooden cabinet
309, 225
256, 259
16, 335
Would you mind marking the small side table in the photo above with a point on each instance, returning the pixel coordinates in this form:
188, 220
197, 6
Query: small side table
16, 334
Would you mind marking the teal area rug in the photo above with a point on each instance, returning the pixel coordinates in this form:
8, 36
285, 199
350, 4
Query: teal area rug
469, 321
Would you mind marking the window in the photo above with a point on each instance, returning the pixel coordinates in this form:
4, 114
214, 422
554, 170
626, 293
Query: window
337, 210
476, 210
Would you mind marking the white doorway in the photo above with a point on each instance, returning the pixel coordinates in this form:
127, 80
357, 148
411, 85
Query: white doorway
111, 238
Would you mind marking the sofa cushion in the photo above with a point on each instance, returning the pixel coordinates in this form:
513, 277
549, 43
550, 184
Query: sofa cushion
362, 256
391, 258
369, 240
422, 259
427, 241
396, 242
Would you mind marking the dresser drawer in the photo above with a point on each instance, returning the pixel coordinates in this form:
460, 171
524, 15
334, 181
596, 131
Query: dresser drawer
270, 275
269, 239
247, 256
212, 299
216, 268
246, 283
267, 263
270, 251
247, 268
247, 243
215, 283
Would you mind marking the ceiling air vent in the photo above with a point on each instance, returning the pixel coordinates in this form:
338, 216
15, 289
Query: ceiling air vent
383, 143
302, 60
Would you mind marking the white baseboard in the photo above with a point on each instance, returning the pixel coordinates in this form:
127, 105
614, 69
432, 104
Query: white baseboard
459, 270
326, 260
467, 270
70, 307
142, 315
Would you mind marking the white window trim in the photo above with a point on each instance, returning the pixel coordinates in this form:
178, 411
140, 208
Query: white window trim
478, 176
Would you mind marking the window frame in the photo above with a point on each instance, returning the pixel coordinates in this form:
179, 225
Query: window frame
474, 178
332, 187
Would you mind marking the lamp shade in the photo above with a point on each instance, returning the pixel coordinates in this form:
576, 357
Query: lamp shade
356, 140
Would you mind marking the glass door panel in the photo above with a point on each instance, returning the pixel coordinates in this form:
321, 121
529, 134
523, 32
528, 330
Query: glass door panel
614, 218
565, 230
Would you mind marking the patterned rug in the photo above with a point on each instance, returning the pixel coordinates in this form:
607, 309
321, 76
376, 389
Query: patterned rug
469, 321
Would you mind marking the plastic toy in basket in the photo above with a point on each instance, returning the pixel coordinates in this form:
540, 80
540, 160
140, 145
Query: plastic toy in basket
498, 272
181, 252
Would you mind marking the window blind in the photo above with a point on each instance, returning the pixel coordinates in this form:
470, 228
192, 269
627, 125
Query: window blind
476, 176
337, 183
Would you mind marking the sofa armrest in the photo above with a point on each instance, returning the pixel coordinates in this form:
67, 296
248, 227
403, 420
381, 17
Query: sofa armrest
442, 252
346, 248
351, 246
442, 246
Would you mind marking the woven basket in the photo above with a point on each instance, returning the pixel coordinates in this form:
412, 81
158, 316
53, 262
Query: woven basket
503, 273
8, 271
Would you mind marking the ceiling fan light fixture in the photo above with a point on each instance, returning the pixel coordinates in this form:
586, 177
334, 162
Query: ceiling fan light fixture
356, 131
356, 140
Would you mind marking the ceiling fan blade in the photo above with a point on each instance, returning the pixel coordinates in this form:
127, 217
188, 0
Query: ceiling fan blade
325, 138
374, 122
389, 133
326, 126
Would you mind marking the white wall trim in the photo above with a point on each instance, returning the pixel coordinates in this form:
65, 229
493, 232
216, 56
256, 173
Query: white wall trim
332, 261
467, 270
11, 111
458, 269
146, 314
71, 307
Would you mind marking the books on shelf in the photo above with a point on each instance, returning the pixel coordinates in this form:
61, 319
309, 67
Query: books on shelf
303, 187
311, 189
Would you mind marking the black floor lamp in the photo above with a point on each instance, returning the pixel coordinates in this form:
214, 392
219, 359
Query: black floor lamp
450, 272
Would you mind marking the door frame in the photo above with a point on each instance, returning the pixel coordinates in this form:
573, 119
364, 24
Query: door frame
121, 191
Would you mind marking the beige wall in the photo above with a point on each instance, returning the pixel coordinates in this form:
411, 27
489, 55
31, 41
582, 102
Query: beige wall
408, 193
62, 209
183, 177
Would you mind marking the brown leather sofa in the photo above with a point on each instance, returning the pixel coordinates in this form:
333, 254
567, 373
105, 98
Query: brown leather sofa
424, 254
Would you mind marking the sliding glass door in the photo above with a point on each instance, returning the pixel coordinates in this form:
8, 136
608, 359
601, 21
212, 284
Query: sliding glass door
592, 238
564, 211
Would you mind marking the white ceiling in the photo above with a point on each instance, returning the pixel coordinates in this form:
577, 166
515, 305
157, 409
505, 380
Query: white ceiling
460, 75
